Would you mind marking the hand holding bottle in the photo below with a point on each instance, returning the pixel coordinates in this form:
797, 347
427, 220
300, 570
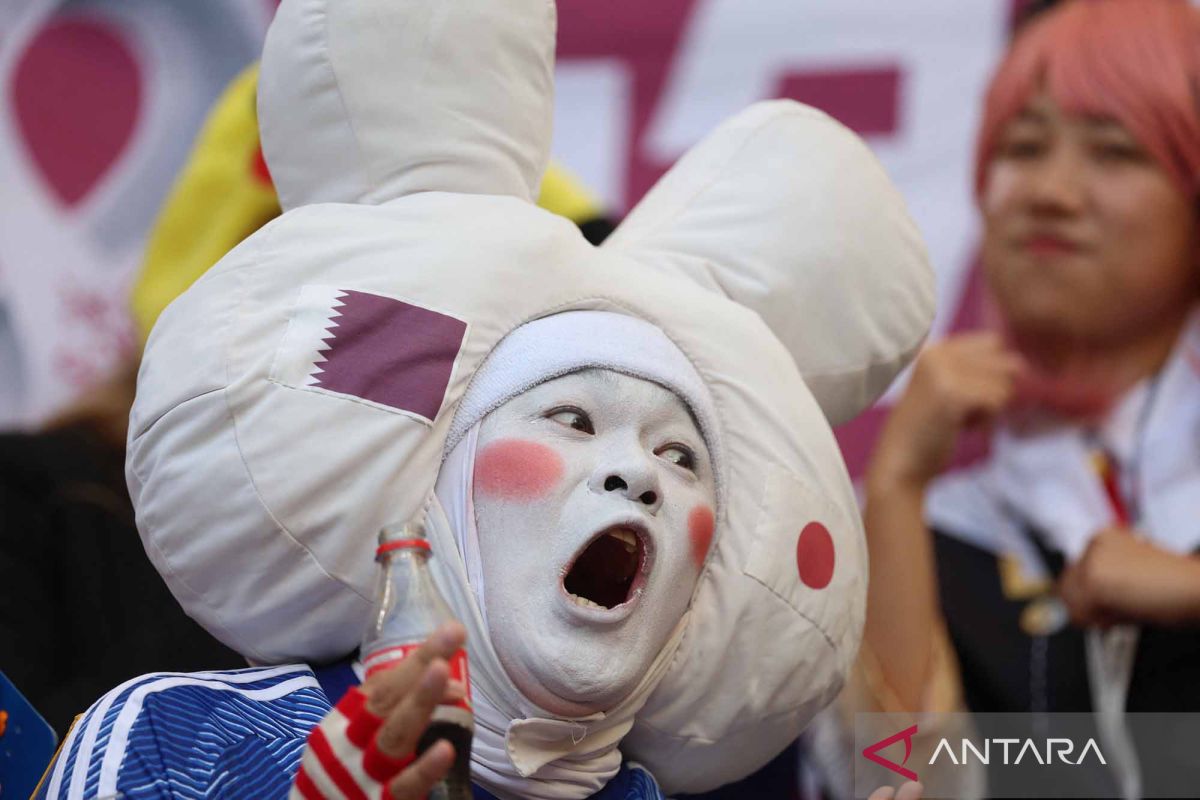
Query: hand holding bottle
370, 740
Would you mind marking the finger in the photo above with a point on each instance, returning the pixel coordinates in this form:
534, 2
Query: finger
992, 355
1008, 368
455, 691
998, 387
420, 776
989, 360
982, 385
987, 399
399, 733
883, 793
998, 369
1013, 364
387, 688
1074, 597
981, 402
910, 791
976, 340
979, 352
999, 398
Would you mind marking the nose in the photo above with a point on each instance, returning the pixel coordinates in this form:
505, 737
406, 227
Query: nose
1057, 183
632, 477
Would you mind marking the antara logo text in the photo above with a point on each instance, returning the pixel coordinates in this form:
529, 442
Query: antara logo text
1002, 751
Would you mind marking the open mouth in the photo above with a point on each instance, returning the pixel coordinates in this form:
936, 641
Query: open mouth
605, 575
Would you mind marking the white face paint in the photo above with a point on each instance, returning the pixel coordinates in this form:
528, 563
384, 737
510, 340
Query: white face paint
594, 498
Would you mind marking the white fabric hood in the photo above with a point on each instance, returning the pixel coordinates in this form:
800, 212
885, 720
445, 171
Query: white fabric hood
300, 395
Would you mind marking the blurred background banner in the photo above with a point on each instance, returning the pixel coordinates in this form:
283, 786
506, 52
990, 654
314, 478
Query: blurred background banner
102, 100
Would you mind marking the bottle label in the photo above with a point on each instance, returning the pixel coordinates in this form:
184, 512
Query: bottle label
390, 657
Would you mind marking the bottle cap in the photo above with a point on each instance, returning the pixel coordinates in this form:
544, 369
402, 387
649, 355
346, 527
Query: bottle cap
399, 535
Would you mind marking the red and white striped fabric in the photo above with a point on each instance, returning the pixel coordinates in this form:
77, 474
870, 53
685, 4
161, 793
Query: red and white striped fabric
342, 759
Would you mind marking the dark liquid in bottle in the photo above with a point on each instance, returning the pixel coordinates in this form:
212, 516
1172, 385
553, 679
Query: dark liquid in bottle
457, 784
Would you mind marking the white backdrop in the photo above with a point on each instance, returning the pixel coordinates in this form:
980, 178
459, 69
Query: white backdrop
101, 99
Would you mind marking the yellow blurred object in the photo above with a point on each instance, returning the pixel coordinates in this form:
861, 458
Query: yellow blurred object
225, 193
1016, 583
564, 194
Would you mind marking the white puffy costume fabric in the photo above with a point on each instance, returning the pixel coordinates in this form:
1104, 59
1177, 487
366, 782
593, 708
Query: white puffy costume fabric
301, 394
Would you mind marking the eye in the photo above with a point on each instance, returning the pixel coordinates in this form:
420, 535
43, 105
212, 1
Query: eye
679, 455
573, 418
1118, 151
1021, 147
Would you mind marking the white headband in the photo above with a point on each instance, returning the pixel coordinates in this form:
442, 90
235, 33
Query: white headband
554, 346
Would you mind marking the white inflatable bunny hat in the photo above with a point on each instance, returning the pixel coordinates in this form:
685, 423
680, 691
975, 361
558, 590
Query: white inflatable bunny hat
299, 396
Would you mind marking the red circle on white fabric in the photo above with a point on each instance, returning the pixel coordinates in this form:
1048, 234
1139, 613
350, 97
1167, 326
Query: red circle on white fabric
815, 556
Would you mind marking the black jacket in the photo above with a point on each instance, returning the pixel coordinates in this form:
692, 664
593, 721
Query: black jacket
81, 607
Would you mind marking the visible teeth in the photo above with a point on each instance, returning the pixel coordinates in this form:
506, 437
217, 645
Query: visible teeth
627, 538
583, 601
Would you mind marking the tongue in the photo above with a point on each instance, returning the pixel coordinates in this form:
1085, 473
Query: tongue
603, 573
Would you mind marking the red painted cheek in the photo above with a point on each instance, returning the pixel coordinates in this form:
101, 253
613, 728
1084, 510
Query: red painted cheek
815, 556
514, 469
700, 532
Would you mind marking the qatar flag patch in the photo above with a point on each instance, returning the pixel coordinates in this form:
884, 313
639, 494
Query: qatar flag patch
380, 350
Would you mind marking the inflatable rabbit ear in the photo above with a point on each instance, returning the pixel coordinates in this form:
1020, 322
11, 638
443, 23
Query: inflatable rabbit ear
364, 102
785, 211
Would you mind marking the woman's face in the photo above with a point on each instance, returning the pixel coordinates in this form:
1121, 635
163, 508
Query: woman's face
594, 500
1087, 239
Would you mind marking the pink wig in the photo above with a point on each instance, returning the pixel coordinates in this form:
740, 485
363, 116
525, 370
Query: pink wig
1136, 61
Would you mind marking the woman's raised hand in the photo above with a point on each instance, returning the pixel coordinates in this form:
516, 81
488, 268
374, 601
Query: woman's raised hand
1122, 577
957, 383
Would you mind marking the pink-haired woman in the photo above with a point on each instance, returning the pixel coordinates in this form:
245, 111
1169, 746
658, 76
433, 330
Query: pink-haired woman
1066, 562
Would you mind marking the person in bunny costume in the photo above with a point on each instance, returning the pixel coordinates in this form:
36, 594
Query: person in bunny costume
373, 354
